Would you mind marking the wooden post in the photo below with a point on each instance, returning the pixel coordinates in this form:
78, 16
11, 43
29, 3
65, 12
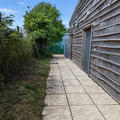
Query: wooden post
37, 49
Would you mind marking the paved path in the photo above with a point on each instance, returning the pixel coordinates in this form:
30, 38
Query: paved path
72, 95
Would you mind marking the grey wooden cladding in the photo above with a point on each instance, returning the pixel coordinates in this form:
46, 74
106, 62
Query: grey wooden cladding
105, 86
103, 16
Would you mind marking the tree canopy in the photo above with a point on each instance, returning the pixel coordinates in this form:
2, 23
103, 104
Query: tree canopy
43, 23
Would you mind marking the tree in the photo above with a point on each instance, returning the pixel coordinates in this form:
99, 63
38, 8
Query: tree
43, 25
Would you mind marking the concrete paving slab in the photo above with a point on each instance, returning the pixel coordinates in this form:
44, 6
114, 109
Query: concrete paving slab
111, 112
82, 76
53, 65
79, 99
103, 99
54, 73
53, 83
65, 68
65, 72
62, 66
56, 100
94, 89
55, 90
86, 82
57, 113
55, 77
74, 89
79, 73
68, 77
54, 68
71, 82
86, 112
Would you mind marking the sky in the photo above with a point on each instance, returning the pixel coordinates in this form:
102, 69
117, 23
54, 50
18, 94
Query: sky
18, 8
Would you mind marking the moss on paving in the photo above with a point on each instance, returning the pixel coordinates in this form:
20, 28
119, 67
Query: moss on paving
23, 97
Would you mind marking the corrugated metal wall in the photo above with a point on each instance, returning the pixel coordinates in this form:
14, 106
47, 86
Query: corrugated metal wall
103, 16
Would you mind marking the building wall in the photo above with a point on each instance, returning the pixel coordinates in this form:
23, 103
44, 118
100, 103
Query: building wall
66, 45
103, 16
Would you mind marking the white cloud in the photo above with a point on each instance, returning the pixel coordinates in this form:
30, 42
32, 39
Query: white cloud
21, 3
7, 10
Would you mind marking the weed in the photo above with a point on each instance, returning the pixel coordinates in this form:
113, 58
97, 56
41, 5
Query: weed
23, 97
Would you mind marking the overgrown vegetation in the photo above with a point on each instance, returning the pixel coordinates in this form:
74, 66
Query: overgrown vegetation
23, 97
23, 77
44, 26
15, 51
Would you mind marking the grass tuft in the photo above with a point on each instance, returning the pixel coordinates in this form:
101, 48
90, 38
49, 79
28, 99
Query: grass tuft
23, 97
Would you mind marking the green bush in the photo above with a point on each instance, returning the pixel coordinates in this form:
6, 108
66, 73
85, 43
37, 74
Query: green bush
15, 51
43, 25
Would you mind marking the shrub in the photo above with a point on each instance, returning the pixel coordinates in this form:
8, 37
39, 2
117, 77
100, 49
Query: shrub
15, 51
